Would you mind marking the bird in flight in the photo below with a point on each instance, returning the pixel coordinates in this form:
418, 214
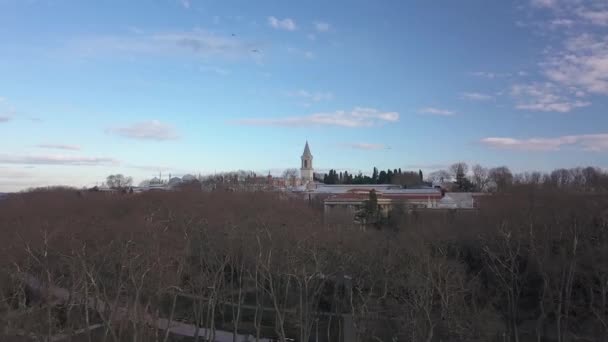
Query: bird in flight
255, 50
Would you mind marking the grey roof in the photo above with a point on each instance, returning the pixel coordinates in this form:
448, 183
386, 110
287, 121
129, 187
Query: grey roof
306, 151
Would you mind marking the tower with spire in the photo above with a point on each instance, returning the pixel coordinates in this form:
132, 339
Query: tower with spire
306, 170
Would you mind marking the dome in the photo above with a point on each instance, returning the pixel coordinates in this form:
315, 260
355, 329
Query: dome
188, 178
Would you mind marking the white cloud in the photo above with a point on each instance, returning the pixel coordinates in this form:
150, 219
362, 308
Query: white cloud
474, 96
570, 13
311, 36
55, 160
365, 146
585, 142
312, 96
577, 65
582, 64
287, 24
597, 17
322, 26
561, 107
146, 130
60, 147
544, 97
544, 3
436, 111
562, 22
357, 117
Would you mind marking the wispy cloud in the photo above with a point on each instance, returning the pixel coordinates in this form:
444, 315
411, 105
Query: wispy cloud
357, 117
13, 173
151, 168
4, 118
544, 3
313, 96
185, 3
196, 42
436, 111
544, 97
597, 17
474, 96
561, 22
583, 63
579, 64
490, 75
302, 53
321, 26
215, 70
585, 142
56, 160
364, 146
60, 147
427, 166
146, 130
569, 13
287, 24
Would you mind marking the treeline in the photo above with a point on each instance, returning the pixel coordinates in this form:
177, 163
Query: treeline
395, 176
501, 179
459, 177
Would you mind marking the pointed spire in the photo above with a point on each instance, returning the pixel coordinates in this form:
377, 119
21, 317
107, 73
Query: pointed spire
306, 150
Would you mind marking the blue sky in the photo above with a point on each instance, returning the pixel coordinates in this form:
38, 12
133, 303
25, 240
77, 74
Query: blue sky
186, 86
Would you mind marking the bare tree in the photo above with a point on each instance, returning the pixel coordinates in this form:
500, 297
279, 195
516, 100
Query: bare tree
458, 170
118, 181
501, 177
290, 173
480, 177
439, 176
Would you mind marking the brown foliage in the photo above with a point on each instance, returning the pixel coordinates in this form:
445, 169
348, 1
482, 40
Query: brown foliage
532, 264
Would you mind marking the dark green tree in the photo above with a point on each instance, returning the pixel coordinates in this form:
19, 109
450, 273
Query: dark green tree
459, 171
382, 179
369, 213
